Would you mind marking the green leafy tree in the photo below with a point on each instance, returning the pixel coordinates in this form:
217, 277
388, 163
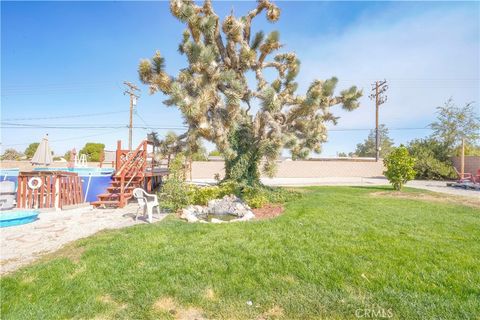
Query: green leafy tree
431, 160
454, 124
215, 153
247, 124
93, 151
11, 154
30, 150
470, 150
68, 155
399, 166
368, 147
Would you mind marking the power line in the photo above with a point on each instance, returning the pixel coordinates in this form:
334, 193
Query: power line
65, 116
91, 127
67, 139
119, 126
58, 84
143, 120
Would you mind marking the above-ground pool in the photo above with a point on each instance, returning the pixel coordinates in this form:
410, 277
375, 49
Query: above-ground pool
15, 218
95, 181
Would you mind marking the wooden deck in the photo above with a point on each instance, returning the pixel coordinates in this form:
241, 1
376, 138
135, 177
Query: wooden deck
133, 169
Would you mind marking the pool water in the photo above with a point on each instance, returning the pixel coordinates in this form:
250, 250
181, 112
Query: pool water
15, 218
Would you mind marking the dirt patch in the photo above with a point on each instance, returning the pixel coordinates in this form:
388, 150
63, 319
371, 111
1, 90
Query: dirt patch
165, 305
71, 252
268, 211
273, 313
107, 299
168, 305
431, 197
210, 294
190, 314
28, 279
289, 279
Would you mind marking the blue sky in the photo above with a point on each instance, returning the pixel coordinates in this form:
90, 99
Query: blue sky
71, 58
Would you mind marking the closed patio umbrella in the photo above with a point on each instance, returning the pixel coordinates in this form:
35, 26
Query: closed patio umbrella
43, 155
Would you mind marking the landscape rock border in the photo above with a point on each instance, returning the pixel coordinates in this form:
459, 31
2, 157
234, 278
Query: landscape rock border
228, 205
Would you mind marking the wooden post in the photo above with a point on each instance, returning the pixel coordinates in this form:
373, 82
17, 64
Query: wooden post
122, 191
377, 138
131, 92
462, 159
379, 87
118, 155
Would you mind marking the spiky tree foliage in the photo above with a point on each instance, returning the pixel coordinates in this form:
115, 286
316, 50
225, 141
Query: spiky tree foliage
213, 95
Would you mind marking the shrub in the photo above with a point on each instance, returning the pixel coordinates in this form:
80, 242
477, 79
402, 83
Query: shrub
255, 197
431, 160
175, 193
201, 195
11, 154
399, 166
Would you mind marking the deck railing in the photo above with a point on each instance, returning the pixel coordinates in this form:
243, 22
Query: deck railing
130, 165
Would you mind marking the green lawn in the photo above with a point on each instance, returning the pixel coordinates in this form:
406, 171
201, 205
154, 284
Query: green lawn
335, 253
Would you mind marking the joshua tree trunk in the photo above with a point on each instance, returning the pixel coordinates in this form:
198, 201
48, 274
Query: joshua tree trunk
244, 166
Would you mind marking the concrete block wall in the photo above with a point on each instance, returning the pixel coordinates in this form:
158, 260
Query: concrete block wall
302, 169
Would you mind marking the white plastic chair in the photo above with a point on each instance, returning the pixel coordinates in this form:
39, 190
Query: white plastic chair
146, 202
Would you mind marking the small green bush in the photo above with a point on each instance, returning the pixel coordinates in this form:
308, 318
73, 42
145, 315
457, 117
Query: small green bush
175, 193
399, 166
255, 197
201, 195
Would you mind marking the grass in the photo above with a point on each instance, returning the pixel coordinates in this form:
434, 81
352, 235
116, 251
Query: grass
338, 252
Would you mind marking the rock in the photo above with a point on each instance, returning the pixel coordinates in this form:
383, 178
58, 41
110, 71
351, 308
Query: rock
199, 209
185, 212
229, 204
248, 216
191, 218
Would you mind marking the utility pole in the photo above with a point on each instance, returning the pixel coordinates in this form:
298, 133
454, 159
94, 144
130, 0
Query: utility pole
133, 102
378, 88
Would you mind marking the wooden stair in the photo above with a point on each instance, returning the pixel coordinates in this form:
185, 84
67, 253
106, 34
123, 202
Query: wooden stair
129, 176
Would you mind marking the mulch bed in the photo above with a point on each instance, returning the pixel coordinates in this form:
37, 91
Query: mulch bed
268, 211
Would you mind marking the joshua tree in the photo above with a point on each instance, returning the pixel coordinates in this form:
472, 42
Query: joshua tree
247, 124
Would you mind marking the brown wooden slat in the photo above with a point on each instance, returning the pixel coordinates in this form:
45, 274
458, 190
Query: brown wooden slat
25, 192
41, 195
54, 190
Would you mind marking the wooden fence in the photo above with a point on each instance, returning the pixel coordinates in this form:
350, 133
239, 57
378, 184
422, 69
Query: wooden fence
55, 189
